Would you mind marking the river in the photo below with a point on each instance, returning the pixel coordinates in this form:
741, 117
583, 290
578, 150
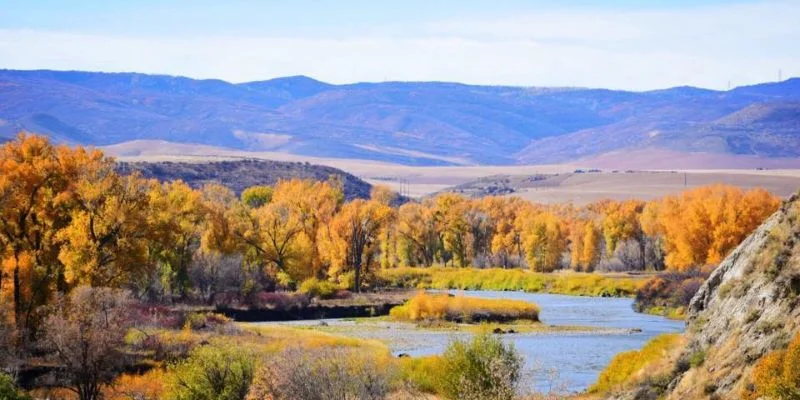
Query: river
568, 361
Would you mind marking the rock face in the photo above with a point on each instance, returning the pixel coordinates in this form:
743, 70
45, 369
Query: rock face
749, 306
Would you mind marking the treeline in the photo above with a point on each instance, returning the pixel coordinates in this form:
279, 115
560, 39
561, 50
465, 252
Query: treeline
67, 218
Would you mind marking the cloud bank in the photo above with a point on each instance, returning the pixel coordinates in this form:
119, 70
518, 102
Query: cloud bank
638, 50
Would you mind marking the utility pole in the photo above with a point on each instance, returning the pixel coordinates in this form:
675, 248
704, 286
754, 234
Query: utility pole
780, 75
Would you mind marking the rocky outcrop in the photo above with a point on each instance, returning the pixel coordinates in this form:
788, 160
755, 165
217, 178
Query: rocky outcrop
749, 306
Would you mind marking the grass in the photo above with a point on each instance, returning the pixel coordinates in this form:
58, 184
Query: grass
676, 313
627, 366
570, 283
426, 307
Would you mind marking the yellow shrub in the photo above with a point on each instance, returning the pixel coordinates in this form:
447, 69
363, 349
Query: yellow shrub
425, 306
148, 386
777, 374
423, 372
625, 365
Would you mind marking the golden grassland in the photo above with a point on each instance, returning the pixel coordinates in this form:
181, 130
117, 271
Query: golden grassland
497, 279
460, 308
654, 359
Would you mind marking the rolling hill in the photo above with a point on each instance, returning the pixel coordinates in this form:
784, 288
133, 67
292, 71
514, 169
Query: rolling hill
416, 123
241, 174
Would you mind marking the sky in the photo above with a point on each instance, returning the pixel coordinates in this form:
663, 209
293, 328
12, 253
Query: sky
617, 44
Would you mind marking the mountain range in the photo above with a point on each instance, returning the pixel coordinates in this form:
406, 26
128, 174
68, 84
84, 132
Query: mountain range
417, 123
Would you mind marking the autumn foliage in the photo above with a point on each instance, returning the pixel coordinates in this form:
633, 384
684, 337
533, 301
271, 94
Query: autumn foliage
460, 308
67, 218
777, 374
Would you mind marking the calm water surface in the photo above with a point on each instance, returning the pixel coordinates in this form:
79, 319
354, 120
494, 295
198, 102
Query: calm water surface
576, 357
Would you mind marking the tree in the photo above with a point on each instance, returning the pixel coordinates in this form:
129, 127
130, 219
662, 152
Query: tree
37, 190
586, 243
703, 225
506, 239
257, 196
218, 233
351, 239
453, 228
86, 333
274, 235
544, 239
177, 214
383, 194
106, 241
314, 203
416, 227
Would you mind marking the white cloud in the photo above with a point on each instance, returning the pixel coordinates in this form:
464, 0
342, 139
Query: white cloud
636, 50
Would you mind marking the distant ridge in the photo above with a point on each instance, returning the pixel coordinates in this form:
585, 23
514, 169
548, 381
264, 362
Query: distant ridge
416, 123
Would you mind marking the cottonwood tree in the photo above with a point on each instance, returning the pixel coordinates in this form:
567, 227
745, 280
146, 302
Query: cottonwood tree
106, 241
85, 334
416, 228
37, 191
315, 204
177, 214
544, 239
350, 242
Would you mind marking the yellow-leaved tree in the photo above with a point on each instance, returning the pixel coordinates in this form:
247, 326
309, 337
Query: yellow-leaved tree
350, 241
106, 241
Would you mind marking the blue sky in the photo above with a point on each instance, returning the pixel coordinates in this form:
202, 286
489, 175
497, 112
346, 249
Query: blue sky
625, 44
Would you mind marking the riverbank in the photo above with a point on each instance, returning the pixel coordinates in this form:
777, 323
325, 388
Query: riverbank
516, 279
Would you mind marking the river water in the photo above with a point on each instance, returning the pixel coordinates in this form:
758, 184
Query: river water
566, 361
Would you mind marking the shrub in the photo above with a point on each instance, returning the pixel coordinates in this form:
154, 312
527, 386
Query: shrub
669, 294
323, 373
314, 287
86, 335
205, 321
280, 300
425, 306
697, 359
422, 372
9, 391
776, 375
147, 386
483, 368
623, 367
213, 372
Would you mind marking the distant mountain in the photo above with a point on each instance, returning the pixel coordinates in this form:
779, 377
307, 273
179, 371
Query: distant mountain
423, 123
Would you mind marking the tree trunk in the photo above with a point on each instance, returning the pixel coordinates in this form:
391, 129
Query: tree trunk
17, 295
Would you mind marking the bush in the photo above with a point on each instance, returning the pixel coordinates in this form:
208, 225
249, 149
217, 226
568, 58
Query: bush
669, 294
85, 335
323, 373
9, 391
777, 375
422, 372
213, 372
425, 306
205, 321
280, 300
483, 368
625, 365
148, 386
314, 287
